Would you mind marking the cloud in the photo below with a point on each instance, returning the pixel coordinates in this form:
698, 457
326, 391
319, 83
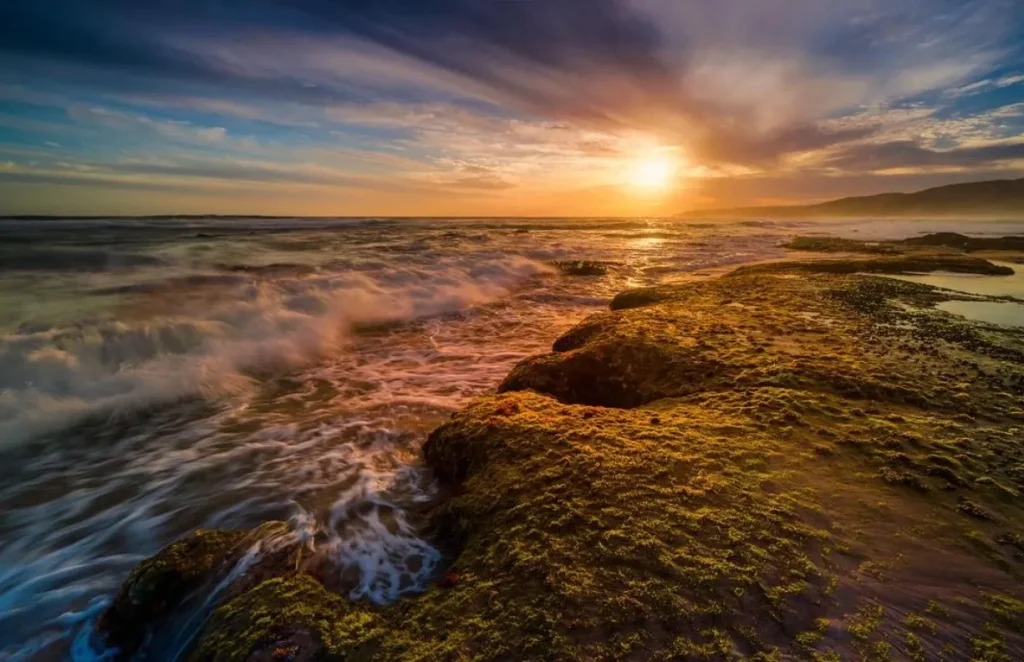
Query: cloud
202, 169
528, 92
172, 129
986, 85
679, 68
912, 154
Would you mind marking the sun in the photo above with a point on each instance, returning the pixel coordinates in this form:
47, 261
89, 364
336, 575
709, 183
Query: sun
654, 173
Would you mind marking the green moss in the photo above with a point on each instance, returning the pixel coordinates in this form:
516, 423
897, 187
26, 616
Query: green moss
293, 613
157, 585
878, 651
1006, 609
914, 648
934, 608
839, 245
865, 622
918, 622
697, 476
809, 638
903, 264
571, 501
903, 478
989, 646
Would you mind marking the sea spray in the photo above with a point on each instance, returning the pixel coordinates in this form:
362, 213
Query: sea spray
50, 378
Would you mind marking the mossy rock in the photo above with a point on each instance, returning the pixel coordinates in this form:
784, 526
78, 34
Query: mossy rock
583, 267
935, 240
755, 328
963, 242
291, 618
840, 245
156, 586
903, 264
739, 468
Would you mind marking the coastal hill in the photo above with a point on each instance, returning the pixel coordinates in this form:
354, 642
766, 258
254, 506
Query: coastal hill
990, 198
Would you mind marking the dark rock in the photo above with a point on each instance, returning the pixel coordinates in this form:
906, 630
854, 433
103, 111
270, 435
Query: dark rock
969, 244
908, 264
582, 267
158, 585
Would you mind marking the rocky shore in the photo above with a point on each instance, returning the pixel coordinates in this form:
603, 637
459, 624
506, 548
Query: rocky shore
792, 461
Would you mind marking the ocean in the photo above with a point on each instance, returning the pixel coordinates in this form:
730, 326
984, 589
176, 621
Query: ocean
161, 375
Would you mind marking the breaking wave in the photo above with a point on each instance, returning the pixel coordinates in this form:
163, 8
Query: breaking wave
215, 343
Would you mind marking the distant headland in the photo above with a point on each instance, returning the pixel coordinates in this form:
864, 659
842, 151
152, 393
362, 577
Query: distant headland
1002, 197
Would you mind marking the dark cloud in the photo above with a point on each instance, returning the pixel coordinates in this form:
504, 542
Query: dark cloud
608, 63
244, 174
76, 33
491, 42
735, 145
911, 154
91, 181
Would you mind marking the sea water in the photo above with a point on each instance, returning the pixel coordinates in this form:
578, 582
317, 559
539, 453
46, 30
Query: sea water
161, 375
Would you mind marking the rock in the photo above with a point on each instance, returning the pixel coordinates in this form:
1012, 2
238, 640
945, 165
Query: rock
290, 618
839, 245
739, 468
582, 267
158, 585
935, 240
969, 244
908, 264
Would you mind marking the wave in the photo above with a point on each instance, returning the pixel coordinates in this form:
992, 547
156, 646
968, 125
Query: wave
52, 378
68, 259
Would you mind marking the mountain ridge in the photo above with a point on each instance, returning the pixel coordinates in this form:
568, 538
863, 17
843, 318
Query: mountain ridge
985, 198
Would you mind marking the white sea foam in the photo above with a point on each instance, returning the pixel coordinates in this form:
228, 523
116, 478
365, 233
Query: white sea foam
51, 378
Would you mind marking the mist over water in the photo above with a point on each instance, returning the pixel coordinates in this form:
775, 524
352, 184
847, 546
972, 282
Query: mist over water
157, 376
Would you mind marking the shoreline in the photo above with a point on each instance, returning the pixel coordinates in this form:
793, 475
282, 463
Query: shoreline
696, 472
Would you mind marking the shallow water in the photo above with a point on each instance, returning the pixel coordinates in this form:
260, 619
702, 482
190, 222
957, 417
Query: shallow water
1006, 313
993, 312
994, 286
157, 376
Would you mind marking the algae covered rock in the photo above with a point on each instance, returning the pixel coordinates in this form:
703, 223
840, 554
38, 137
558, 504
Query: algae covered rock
934, 240
840, 245
157, 585
193, 568
904, 264
963, 242
789, 462
292, 618
582, 267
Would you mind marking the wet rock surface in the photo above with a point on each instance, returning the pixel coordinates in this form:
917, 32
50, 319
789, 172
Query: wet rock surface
794, 461
935, 240
159, 584
583, 267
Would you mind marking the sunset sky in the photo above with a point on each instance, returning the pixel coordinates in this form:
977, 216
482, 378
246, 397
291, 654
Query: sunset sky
499, 107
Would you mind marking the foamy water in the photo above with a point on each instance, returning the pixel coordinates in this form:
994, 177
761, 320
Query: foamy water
157, 376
